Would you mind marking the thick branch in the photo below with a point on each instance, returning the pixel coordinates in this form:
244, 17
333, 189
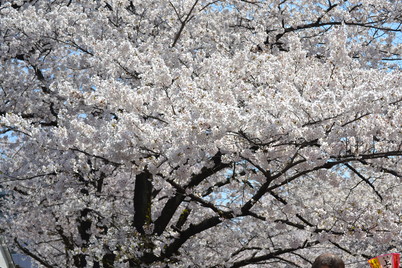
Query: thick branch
174, 202
142, 200
171, 249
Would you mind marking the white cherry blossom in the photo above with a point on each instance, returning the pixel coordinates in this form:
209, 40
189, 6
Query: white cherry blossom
170, 133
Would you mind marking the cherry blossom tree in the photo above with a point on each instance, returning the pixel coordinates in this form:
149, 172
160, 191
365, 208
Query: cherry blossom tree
200, 133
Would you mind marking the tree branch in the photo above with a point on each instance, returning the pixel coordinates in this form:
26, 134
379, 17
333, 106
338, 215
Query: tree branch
364, 179
183, 24
32, 255
174, 202
257, 259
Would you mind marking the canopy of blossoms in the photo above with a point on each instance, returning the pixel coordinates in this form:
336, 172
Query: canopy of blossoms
200, 133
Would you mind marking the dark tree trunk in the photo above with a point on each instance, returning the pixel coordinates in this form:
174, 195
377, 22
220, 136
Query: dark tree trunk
142, 200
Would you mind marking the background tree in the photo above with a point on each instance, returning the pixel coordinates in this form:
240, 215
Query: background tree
200, 133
